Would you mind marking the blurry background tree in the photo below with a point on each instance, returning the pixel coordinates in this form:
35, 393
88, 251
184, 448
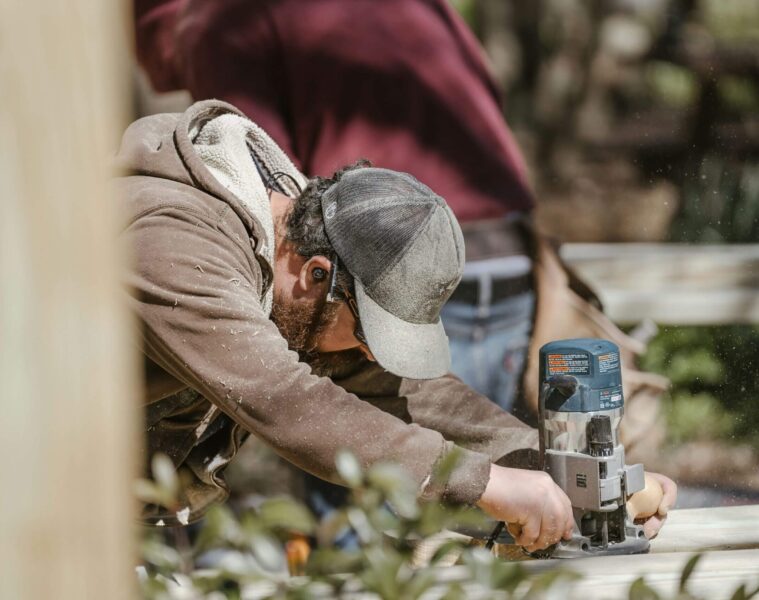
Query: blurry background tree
640, 119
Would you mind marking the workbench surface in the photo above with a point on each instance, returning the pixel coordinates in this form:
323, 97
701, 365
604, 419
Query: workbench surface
698, 529
716, 576
728, 536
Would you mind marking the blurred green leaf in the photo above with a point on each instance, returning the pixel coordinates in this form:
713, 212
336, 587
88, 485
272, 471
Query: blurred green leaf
739, 93
740, 593
389, 478
381, 576
283, 513
455, 592
688, 571
466, 517
674, 85
212, 581
445, 550
349, 468
220, 528
695, 365
418, 584
397, 486
467, 9
165, 474
492, 573
543, 582
150, 493
731, 20
640, 590
269, 552
361, 525
331, 527
154, 588
329, 561
445, 467
434, 517
162, 556
697, 416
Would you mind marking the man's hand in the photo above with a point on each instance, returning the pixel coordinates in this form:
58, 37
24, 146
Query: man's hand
537, 511
653, 524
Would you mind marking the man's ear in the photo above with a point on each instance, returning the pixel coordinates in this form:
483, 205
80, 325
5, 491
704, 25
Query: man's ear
314, 275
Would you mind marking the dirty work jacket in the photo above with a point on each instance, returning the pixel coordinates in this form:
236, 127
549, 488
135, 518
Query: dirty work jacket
216, 366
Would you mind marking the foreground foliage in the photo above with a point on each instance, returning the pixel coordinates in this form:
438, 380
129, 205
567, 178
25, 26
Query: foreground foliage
260, 554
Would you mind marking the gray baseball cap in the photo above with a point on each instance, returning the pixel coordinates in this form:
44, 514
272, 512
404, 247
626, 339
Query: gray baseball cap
405, 251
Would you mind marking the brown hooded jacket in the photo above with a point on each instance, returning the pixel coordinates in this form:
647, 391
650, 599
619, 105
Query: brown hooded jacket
216, 366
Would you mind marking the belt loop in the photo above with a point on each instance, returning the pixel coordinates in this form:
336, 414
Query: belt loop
485, 283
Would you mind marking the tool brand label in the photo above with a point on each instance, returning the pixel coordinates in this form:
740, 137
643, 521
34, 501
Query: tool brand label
610, 399
568, 364
608, 362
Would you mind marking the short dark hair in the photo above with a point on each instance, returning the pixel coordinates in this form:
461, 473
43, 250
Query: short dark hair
305, 223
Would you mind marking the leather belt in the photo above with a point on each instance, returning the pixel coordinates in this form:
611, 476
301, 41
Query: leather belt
494, 238
468, 291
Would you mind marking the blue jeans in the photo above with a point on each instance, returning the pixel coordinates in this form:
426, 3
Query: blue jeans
489, 344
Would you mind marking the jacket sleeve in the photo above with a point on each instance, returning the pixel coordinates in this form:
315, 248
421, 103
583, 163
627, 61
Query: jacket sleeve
196, 290
452, 408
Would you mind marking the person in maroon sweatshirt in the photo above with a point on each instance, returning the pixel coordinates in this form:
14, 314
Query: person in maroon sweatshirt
402, 83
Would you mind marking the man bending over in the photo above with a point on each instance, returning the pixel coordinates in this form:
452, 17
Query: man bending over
250, 282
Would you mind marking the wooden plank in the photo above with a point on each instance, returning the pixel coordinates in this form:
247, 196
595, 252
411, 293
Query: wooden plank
668, 307
689, 530
730, 534
672, 284
683, 266
716, 576
69, 417
698, 529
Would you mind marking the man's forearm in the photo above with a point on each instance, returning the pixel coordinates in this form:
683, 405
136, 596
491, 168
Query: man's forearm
449, 406
471, 420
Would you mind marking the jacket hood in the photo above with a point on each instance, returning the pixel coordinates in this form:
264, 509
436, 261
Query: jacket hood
164, 146
214, 148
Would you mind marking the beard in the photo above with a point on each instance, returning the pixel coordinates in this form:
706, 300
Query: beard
301, 325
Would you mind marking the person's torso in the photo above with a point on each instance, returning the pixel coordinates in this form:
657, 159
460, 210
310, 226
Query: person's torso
400, 82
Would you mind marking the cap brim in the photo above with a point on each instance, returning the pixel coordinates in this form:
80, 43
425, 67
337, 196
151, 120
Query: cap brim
416, 351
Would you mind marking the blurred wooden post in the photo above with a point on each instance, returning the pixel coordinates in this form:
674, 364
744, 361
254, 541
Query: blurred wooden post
67, 371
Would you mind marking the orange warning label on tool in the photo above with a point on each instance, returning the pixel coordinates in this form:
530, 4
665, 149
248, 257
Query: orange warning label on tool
608, 362
568, 364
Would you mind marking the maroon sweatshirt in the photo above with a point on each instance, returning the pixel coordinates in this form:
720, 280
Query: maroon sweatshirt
400, 82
